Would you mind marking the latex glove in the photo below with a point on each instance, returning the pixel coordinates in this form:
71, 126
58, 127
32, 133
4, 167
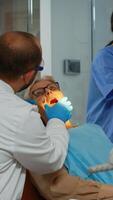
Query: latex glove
57, 111
65, 102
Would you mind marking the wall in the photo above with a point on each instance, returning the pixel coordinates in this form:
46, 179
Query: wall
70, 29
66, 34
45, 35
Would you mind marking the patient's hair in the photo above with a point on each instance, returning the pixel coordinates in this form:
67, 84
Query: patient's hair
112, 22
111, 26
47, 78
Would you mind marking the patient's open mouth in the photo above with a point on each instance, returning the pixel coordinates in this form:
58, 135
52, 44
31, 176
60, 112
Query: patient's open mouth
53, 101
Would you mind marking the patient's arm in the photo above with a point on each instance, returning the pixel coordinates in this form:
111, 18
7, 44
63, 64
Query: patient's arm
61, 186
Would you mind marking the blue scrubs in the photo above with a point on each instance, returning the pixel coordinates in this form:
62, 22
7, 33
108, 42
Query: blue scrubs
88, 146
100, 98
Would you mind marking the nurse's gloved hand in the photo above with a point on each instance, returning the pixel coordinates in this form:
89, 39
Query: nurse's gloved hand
65, 102
57, 111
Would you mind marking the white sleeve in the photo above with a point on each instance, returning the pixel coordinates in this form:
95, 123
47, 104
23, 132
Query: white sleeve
38, 148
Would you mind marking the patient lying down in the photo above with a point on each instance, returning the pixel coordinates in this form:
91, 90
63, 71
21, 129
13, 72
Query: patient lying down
88, 146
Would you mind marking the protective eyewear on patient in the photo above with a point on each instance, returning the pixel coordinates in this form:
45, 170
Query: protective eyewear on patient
41, 91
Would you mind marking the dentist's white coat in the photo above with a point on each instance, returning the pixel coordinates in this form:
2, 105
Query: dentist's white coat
26, 144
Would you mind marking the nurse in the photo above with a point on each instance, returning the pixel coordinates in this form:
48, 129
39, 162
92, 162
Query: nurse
100, 96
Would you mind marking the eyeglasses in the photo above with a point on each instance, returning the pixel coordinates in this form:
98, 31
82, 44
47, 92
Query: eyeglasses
39, 68
41, 91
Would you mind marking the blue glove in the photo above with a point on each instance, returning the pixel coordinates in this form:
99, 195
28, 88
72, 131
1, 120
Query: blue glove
57, 111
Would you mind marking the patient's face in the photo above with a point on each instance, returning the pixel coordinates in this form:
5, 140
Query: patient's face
46, 92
